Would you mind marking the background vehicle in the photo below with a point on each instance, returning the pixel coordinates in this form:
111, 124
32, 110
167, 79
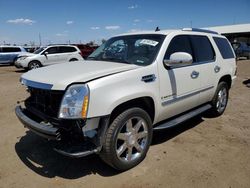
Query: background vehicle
241, 49
53, 54
86, 49
130, 85
8, 54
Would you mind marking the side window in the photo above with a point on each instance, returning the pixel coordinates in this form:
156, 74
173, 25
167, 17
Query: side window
203, 50
224, 47
52, 50
179, 43
66, 49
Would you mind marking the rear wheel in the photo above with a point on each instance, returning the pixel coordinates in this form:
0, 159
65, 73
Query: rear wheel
34, 65
219, 102
127, 139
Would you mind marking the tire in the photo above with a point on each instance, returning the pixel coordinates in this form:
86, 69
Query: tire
127, 139
34, 65
73, 59
220, 100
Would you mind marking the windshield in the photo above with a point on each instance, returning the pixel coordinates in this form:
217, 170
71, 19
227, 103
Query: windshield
39, 50
132, 49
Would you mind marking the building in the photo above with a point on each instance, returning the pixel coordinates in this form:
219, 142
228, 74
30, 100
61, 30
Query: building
234, 33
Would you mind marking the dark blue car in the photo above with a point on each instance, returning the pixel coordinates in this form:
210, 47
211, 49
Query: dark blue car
8, 54
241, 49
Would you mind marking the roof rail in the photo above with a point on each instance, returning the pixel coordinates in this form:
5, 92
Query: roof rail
199, 30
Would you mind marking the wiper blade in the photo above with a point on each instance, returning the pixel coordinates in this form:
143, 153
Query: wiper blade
116, 60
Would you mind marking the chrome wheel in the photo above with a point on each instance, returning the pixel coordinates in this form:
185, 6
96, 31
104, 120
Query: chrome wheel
132, 139
34, 65
221, 100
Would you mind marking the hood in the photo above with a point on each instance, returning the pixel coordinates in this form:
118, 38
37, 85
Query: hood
25, 54
58, 77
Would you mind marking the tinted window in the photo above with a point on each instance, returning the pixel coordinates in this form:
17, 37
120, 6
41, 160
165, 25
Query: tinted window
203, 50
179, 44
7, 49
224, 47
52, 50
67, 49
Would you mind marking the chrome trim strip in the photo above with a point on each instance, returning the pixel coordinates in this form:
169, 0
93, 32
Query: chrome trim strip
34, 84
184, 96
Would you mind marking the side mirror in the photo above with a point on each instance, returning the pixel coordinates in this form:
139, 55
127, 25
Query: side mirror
178, 59
46, 53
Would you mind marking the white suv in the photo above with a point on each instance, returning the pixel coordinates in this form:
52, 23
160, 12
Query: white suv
131, 85
50, 55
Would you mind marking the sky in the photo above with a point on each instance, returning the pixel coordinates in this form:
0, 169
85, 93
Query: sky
81, 21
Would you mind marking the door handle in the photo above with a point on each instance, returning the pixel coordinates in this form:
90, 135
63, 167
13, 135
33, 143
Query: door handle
194, 74
216, 69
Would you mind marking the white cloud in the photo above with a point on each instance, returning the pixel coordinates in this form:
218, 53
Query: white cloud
133, 7
61, 34
69, 22
112, 27
21, 21
95, 28
136, 20
134, 30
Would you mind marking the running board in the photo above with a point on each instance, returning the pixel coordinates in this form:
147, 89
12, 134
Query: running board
184, 117
77, 150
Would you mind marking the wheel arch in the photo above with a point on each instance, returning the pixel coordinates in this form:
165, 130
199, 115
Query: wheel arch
146, 103
226, 78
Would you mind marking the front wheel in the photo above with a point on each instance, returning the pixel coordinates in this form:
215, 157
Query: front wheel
34, 65
219, 102
127, 139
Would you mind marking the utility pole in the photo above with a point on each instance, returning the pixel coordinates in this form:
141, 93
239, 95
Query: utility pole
40, 40
191, 24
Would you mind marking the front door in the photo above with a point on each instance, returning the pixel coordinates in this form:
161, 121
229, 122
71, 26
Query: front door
179, 87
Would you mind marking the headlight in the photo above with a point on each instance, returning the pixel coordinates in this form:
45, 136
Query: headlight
75, 101
22, 58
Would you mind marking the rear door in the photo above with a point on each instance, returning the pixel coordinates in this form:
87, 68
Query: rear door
206, 64
66, 53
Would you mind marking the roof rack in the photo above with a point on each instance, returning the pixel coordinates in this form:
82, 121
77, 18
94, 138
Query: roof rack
199, 30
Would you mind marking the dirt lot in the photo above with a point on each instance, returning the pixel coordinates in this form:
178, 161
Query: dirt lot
199, 153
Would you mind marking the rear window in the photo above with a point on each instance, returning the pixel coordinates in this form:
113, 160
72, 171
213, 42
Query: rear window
224, 47
203, 50
8, 49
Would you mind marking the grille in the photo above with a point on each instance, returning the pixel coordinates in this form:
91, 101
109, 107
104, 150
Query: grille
45, 101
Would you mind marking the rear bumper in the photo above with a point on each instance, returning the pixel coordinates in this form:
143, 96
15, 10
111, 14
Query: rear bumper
41, 129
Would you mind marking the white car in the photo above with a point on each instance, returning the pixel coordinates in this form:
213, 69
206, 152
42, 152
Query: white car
131, 85
49, 55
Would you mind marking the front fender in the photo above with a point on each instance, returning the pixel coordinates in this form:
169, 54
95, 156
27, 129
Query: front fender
109, 92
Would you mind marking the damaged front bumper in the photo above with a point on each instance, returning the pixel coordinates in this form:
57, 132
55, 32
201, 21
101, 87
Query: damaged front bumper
88, 144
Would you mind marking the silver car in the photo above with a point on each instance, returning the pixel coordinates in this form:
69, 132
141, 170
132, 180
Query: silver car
8, 54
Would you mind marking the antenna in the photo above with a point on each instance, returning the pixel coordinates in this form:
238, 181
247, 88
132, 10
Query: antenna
157, 29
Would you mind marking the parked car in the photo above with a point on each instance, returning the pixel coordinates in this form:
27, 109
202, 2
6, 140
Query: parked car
8, 54
241, 49
85, 49
49, 55
131, 85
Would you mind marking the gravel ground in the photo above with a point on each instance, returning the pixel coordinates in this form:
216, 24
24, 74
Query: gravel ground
202, 152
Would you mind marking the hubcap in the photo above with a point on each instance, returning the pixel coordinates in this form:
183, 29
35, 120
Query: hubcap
132, 139
221, 100
34, 66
